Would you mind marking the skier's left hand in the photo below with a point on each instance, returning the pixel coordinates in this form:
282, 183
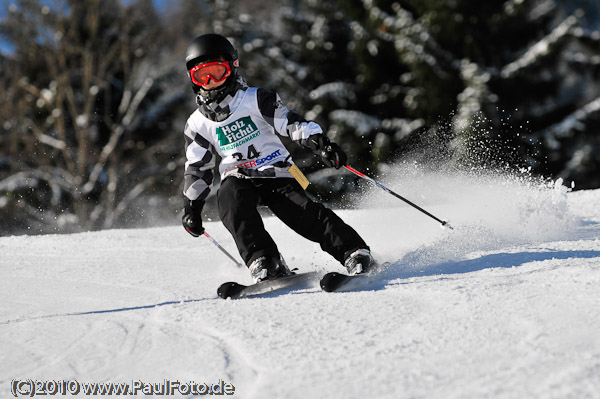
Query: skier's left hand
192, 217
333, 156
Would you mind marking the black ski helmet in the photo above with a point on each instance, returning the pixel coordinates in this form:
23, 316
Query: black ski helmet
209, 47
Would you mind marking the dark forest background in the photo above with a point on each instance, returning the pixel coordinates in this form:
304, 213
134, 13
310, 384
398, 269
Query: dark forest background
94, 94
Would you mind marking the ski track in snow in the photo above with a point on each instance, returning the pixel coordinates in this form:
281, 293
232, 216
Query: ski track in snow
504, 306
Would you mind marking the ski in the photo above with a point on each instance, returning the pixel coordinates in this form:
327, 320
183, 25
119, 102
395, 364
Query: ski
235, 290
334, 281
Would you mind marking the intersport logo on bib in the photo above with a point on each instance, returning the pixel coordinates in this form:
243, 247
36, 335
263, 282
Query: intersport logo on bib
237, 133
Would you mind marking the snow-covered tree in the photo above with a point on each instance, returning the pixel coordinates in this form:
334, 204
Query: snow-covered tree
328, 66
87, 96
518, 77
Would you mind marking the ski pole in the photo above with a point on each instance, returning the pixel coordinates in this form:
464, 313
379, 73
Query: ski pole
238, 264
356, 172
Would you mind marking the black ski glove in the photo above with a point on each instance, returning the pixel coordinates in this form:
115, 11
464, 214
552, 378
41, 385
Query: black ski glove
192, 217
333, 156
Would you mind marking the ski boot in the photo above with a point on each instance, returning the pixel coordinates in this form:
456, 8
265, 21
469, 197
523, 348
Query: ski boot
267, 268
359, 262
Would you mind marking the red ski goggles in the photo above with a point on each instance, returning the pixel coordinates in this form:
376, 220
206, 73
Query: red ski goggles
218, 71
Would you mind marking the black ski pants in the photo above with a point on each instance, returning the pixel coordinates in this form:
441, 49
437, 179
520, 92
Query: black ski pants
238, 201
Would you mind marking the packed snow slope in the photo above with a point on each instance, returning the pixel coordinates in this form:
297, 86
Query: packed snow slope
506, 305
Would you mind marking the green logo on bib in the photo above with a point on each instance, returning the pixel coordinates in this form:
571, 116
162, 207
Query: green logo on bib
237, 133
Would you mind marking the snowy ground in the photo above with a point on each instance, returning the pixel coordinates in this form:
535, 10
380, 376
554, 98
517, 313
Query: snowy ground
505, 306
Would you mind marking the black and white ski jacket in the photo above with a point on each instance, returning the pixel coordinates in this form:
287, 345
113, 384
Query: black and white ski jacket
245, 140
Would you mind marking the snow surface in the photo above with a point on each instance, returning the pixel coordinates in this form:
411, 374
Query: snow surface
506, 305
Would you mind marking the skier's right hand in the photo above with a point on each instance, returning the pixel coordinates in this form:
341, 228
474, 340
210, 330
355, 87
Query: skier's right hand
192, 217
192, 225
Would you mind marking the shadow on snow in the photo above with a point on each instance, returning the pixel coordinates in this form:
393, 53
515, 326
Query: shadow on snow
402, 269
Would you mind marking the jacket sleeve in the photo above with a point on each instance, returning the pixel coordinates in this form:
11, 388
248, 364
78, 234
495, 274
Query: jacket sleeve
288, 123
198, 175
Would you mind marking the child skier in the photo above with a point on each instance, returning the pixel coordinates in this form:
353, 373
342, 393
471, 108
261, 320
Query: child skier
239, 123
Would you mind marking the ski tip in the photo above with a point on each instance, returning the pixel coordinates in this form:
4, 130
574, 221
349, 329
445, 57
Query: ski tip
228, 290
328, 282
